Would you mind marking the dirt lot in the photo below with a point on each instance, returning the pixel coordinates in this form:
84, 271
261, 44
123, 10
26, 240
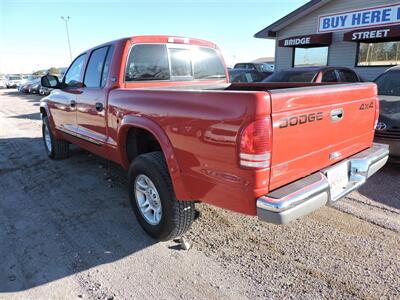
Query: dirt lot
67, 231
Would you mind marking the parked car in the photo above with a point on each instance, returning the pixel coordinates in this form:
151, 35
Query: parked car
388, 128
315, 75
260, 67
44, 91
160, 106
247, 75
13, 81
33, 87
3, 82
24, 87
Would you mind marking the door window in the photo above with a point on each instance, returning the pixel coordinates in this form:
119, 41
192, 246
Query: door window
347, 76
73, 76
329, 76
94, 69
107, 64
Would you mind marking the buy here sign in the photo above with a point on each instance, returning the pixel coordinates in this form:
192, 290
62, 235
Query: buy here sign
369, 17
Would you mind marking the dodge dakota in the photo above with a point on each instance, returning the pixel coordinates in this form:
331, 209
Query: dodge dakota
162, 108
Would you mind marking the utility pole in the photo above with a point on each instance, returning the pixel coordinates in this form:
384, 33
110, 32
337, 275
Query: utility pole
66, 19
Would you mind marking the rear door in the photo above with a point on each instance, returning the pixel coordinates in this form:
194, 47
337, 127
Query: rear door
314, 127
92, 101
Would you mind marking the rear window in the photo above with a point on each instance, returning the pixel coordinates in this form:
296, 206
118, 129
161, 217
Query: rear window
207, 64
181, 64
147, 62
292, 76
157, 62
389, 83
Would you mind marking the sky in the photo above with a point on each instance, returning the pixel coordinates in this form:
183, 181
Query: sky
33, 36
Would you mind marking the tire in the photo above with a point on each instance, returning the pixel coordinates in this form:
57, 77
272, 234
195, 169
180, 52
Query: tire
55, 148
176, 217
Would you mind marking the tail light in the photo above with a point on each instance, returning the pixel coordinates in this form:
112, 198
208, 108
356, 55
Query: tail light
377, 105
255, 145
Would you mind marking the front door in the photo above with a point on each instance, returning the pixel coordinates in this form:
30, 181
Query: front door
62, 102
92, 101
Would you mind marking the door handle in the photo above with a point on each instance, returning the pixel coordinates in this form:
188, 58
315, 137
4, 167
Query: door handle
337, 114
99, 106
72, 103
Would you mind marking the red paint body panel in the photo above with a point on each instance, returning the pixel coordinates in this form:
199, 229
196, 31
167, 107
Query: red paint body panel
301, 150
199, 130
206, 160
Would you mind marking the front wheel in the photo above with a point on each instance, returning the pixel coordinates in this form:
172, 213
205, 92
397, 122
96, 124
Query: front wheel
55, 148
153, 200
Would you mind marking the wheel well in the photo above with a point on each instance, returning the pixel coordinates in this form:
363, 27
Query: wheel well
140, 141
43, 112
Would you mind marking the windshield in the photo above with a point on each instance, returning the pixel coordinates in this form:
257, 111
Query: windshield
292, 76
263, 68
389, 83
32, 77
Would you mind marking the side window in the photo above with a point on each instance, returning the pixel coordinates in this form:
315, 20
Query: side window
329, 76
94, 69
107, 64
73, 75
347, 76
147, 62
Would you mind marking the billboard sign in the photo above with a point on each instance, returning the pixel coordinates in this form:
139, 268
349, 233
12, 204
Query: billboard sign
362, 18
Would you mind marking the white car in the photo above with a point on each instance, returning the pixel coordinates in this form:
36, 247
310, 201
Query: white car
3, 82
13, 81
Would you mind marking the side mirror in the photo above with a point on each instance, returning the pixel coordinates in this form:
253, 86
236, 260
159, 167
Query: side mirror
50, 81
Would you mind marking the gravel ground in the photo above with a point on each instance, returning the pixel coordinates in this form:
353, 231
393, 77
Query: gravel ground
68, 232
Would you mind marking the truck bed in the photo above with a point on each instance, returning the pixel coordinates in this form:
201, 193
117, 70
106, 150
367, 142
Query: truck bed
204, 123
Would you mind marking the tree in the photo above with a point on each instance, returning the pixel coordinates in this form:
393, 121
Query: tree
39, 72
54, 70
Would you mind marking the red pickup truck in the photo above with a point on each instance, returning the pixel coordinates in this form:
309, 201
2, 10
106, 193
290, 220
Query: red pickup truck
163, 109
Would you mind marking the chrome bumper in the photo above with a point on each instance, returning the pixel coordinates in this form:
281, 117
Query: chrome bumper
304, 196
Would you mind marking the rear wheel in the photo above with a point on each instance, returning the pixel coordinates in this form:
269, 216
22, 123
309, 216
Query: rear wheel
55, 148
153, 200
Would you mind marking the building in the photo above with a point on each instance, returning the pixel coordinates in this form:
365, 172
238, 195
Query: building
361, 34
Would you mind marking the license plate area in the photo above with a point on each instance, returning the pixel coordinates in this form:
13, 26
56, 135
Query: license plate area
338, 178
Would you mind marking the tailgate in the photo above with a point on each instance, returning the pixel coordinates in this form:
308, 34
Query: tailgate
314, 127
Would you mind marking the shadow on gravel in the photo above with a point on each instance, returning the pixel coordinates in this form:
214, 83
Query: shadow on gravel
383, 187
33, 116
59, 218
24, 96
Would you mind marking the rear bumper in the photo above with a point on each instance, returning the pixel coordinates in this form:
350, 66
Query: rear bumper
310, 193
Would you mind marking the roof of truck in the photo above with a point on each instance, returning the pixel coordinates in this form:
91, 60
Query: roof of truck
163, 39
171, 39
